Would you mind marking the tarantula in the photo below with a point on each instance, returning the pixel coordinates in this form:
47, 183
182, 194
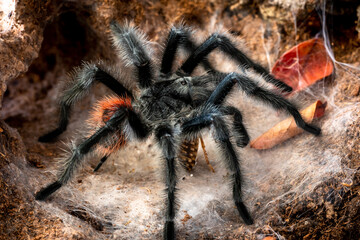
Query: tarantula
175, 106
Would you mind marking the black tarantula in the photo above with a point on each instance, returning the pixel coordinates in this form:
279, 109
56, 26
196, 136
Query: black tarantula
173, 105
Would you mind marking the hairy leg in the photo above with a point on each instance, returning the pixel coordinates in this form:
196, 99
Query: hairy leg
79, 152
179, 37
225, 45
134, 49
83, 79
102, 160
252, 89
165, 137
240, 133
222, 137
112, 125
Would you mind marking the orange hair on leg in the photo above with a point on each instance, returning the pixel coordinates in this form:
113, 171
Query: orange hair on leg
101, 113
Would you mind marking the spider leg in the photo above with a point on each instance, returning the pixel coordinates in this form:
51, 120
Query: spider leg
240, 133
252, 89
133, 48
84, 79
63, 122
166, 139
225, 45
85, 147
102, 160
206, 155
79, 152
222, 138
138, 127
179, 37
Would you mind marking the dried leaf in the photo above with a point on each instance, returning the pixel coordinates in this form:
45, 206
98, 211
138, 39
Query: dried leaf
288, 128
186, 218
303, 64
269, 238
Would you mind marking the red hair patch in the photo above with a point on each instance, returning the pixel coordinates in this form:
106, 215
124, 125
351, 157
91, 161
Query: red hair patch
102, 112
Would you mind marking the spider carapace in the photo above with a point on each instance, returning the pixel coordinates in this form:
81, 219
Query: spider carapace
173, 106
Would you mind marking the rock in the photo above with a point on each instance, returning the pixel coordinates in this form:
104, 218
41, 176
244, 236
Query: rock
21, 33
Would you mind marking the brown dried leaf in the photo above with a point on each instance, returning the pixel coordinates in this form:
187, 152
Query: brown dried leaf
269, 238
288, 128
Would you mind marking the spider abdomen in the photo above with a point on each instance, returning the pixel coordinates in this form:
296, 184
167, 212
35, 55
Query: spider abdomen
188, 153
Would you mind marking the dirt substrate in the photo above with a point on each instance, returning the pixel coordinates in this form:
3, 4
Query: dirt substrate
124, 199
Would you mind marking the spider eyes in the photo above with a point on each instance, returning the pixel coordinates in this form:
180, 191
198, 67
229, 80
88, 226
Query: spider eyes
183, 82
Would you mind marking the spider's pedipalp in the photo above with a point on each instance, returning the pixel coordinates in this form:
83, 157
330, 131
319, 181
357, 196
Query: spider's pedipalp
134, 49
224, 44
82, 80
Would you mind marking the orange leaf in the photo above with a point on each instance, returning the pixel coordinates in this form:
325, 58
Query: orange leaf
288, 128
303, 64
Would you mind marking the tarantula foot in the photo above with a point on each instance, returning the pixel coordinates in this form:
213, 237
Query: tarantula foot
242, 142
245, 215
169, 230
97, 167
49, 137
312, 129
46, 192
103, 159
44, 139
